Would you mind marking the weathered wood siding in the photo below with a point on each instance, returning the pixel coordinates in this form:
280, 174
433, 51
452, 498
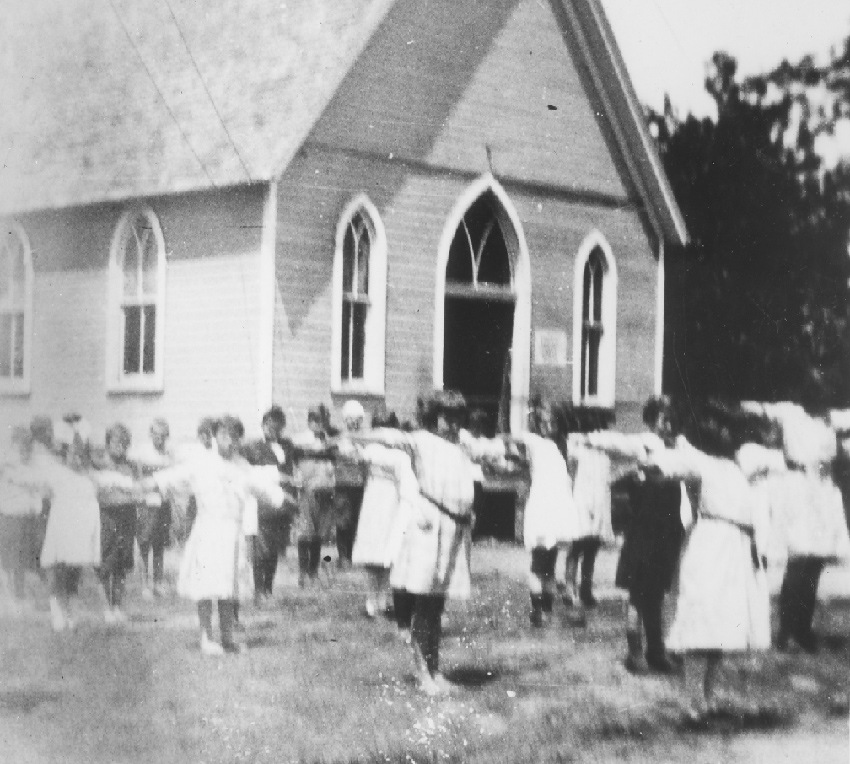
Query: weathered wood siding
414, 208
443, 80
439, 88
212, 245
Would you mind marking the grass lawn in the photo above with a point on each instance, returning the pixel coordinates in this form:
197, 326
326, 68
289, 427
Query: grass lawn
322, 683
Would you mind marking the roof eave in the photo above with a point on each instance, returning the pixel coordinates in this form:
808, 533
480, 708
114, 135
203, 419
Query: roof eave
624, 112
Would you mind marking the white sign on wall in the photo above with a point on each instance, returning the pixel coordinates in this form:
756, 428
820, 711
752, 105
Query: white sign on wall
550, 347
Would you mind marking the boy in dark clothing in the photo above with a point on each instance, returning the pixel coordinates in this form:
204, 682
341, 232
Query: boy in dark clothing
119, 498
273, 526
650, 553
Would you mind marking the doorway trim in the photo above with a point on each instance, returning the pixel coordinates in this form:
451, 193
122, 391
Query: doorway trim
521, 287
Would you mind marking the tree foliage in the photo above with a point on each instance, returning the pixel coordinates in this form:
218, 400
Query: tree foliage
758, 303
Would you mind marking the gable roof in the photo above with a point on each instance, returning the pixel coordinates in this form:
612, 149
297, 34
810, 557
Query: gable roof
113, 99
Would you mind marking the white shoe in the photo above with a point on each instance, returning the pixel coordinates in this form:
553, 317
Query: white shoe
119, 616
109, 616
208, 647
405, 636
371, 608
147, 594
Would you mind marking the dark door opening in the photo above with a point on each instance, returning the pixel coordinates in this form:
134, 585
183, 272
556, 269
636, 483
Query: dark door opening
476, 355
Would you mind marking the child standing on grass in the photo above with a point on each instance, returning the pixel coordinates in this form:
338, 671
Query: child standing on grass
273, 523
154, 514
550, 515
21, 514
119, 497
215, 566
722, 600
72, 539
316, 478
433, 562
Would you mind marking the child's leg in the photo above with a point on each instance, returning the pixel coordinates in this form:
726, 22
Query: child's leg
634, 637
205, 618
226, 621
158, 551
571, 573
303, 559
436, 606
19, 581
118, 578
540, 579
403, 606
315, 557
590, 548
547, 578
712, 669
789, 602
144, 551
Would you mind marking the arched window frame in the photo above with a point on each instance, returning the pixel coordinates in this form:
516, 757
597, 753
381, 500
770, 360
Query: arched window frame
607, 357
13, 304
118, 380
521, 284
374, 360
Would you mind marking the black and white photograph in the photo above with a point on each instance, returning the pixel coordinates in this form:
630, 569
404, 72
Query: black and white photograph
424, 381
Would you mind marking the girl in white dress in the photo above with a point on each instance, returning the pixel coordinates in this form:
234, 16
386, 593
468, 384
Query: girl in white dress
215, 564
72, 538
722, 600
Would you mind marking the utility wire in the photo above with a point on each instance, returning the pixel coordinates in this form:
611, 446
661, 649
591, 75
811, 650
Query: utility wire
206, 90
159, 92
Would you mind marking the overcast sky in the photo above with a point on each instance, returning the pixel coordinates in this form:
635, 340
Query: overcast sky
666, 43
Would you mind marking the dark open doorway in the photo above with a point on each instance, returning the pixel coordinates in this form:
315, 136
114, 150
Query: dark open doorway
478, 336
479, 312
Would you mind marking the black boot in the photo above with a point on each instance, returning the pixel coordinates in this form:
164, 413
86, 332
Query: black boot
634, 660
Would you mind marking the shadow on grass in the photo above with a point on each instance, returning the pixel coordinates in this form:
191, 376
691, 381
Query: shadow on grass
25, 700
834, 643
473, 677
726, 721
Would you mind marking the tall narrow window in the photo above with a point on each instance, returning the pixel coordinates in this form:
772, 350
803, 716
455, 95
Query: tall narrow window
15, 309
138, 289
356, 247
592, 327
359, 301
595, 323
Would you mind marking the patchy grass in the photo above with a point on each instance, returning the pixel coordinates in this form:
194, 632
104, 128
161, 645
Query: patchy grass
321, 683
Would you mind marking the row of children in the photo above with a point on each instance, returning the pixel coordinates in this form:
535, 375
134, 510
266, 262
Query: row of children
717, 499
65, 506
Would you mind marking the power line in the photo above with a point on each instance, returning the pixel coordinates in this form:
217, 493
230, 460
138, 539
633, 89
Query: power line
206, 90
159, 92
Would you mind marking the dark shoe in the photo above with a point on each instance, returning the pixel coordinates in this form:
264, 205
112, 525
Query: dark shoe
587, 599
547, 602
634, 664
660, 664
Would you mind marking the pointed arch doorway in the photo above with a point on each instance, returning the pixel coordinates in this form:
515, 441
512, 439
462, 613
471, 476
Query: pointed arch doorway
482, 326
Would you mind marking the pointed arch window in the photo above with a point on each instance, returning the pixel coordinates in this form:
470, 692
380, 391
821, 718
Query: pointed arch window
359, 301
592, 326
595, 319
137, 304
479, 262
16, 283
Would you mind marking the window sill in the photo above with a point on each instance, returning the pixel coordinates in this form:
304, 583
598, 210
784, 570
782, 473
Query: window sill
18, 387
136, 387
357, 388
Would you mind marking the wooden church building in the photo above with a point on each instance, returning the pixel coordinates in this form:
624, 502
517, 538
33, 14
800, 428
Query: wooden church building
210, 207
